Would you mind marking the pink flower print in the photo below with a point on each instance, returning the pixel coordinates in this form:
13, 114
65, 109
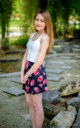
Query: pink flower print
36, 89
27, 63
45, 81
28, 81
27, 88
46, 89
30, 75
40, 85
40, 78
36, 72
32, 82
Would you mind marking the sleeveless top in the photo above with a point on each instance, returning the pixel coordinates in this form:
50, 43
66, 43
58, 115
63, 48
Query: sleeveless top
33, 48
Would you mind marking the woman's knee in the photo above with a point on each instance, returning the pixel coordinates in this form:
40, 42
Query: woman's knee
29, 104
37, 107
28, 101
37, 102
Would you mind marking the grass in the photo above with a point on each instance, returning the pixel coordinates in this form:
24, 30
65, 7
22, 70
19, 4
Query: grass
8, 67
10, 96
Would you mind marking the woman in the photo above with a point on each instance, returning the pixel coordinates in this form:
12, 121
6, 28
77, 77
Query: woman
33, 75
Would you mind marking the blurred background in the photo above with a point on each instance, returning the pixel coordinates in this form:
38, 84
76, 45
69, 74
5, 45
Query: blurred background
62, 63
17, 23
16, 19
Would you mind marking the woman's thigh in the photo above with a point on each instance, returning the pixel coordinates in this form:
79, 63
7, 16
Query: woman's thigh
37, 100
28, 99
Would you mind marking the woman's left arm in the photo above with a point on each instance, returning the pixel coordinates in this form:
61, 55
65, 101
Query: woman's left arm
43, 50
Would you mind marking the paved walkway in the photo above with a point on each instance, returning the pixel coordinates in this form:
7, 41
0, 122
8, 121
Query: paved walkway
13, 109
69, 64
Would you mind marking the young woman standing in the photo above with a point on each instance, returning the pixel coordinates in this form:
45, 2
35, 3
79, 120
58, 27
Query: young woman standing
33, 75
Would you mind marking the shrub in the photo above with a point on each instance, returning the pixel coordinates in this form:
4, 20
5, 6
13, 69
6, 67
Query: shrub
5, 44
22, 40
77, 33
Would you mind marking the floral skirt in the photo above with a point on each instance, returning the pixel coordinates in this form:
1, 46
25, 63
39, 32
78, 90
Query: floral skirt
36, 82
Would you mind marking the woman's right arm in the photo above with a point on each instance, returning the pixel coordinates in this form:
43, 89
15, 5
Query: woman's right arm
23, 66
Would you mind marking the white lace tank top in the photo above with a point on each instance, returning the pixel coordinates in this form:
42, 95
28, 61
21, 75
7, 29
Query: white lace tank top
33, 48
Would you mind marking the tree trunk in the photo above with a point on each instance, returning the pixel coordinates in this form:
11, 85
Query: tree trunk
3, 34
65, 28
5, 40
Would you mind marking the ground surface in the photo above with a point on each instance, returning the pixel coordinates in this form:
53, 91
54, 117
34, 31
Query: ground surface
13, 110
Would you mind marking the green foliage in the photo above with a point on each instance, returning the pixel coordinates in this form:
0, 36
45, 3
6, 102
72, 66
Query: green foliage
27, 11
5, 14
14, 23
16, 8
22, 14
76, 6
62, 9
5, 46
77, 33
55, 8
22, 40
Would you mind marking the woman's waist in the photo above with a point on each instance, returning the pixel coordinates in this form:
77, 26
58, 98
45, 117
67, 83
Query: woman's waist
31, 62
32, 58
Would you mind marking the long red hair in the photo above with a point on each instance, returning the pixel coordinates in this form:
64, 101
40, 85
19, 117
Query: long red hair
48, 28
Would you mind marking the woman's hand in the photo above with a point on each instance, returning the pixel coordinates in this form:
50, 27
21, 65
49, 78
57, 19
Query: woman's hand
22, 79
25, 78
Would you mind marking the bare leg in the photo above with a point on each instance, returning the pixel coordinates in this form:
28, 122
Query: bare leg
31, 110
38, 108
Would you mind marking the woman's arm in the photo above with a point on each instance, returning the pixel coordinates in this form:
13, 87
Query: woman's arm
43, 50
24, 61
23, 66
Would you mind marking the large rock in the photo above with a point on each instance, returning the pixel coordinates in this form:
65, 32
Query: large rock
71, 88
64, 119
46, 123
51, 110
79, 94
52, 96
74, 101
72, 109
77, 121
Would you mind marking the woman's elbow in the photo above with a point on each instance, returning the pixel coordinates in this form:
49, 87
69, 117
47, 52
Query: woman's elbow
40, 61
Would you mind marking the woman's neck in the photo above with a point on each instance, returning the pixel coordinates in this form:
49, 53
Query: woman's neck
40, 32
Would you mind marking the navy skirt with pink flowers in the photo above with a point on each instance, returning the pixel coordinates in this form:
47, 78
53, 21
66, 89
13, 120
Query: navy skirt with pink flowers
37, 82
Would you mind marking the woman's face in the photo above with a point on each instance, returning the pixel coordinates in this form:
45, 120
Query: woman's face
39, 22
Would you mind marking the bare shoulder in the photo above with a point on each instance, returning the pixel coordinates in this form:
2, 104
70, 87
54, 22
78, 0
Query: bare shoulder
45, 37
45, 41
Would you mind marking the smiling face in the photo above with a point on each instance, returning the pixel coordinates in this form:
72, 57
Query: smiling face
39, 22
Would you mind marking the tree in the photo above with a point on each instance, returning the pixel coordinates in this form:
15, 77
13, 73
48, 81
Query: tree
43, 4
27, 12
67, 10
60, 11
5, 14
55, 9
76, 6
